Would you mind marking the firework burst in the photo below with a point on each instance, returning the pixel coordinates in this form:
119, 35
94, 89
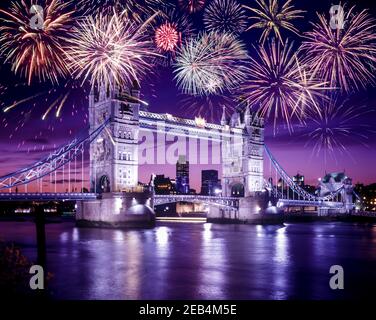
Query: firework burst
110, 49
280, 85
272, 18
343, 56
170, 29
225, 16
167, 37
338, 124
192, 6
36, 51
211, 64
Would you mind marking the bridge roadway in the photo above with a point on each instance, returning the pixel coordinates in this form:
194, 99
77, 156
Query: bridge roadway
158, 199
309, 203
219, 201
163, 199
46, 196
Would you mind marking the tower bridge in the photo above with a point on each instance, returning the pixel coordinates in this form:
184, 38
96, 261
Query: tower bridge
116, 125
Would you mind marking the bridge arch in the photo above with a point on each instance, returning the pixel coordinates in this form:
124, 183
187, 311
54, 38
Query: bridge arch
104, 184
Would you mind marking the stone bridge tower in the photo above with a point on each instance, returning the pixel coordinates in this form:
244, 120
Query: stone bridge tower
114, 154
242, 153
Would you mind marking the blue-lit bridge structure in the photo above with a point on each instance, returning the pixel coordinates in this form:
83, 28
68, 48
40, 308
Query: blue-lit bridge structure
56, 171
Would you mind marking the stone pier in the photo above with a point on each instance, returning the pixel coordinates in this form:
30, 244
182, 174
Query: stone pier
117, 210
252, 210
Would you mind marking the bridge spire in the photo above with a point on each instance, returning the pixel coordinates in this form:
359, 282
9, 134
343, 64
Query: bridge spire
223, 118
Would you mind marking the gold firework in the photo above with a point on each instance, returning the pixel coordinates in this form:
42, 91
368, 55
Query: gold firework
272, 18
36, 50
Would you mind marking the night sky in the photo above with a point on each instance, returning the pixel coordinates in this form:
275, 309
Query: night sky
25, 138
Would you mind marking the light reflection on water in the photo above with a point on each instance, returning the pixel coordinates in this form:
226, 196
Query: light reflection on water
213, 258
204, 261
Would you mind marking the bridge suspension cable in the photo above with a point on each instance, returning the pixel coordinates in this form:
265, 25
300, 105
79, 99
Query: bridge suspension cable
51, 164
303, 194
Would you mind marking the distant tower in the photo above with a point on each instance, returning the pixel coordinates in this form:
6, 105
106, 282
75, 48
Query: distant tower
242, 152
114, 154
182, 175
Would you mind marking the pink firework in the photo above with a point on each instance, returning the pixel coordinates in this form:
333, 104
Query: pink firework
167, 37
344, 56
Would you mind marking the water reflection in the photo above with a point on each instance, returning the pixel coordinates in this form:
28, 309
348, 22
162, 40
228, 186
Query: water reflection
162, 237
161, 261
281, 258
204, 261
214, 264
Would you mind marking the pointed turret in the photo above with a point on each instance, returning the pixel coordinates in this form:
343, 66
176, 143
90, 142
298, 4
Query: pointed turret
247, 115
92, 97
224, 118
102, 93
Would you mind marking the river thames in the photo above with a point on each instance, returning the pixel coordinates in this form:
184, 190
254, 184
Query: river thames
204, 261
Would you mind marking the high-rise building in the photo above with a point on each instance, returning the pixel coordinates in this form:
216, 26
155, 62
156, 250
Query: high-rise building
182, 175
210, 184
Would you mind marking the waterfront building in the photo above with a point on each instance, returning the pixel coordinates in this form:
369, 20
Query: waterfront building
163, 185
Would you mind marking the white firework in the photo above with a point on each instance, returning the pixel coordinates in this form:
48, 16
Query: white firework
211, 64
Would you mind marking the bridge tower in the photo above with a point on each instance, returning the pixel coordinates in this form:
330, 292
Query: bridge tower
114, 163
114, 154
242, 153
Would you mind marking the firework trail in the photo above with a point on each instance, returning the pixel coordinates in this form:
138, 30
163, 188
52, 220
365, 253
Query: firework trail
339, 123
65, 94
343, 56
19, 102
110, 50
280, 86
272, 18
225, 16
36, 52
137, 10
192, 6
210, 64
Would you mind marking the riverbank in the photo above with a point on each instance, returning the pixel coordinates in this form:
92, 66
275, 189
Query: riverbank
276, 219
